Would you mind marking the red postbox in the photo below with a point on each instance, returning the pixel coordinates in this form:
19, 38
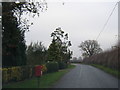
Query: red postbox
38, 71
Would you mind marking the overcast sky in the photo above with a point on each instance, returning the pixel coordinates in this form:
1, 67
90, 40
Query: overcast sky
81, 20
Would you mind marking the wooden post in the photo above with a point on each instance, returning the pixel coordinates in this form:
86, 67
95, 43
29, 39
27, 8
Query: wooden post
38, 79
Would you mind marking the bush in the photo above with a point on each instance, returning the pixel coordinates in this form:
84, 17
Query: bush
17, 73
52, 67
62, 65
4, 75
27, 72
44, 69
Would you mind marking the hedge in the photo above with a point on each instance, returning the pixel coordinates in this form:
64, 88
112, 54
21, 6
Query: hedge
52, 66
19, 73
62, 65
108, 59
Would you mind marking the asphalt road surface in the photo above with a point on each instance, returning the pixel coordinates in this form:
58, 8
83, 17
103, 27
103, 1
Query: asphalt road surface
86, 76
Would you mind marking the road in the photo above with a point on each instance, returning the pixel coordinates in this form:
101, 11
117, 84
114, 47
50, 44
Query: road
86, 76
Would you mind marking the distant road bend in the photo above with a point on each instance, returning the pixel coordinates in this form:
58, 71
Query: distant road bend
86, 76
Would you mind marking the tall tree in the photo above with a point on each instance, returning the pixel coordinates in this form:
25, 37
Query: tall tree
90, 47
36, 54
13, 29
53, 52
13, 43
59, 48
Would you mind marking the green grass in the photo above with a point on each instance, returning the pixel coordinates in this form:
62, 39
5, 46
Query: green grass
71, 66
108, 70
46, 80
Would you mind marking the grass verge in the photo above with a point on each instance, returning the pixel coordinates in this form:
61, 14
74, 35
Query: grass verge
71, 66
46, 80
108, 70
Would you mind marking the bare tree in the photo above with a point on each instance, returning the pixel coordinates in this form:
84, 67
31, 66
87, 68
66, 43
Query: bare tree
90, 47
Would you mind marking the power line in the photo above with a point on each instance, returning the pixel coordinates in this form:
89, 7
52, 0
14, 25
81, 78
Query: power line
107, 21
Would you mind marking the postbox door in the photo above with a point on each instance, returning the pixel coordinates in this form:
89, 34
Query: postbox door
38, 71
